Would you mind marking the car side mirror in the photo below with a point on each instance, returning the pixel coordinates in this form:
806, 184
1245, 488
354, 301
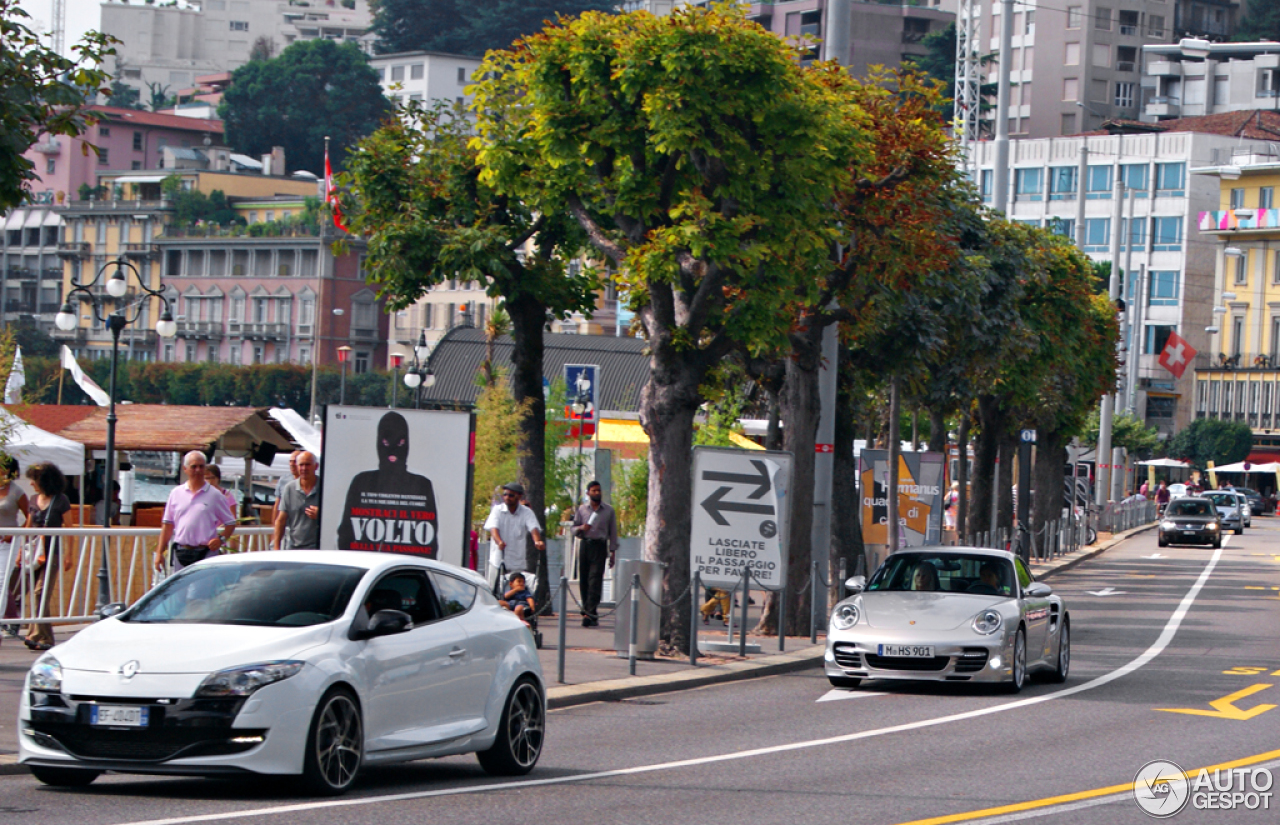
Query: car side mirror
855, 584
385, 623
1038, 590
109, 610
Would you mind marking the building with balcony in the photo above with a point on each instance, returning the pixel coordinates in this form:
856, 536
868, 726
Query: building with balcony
426, 77
1200, 78
30, 268
1238, 374
1056, 184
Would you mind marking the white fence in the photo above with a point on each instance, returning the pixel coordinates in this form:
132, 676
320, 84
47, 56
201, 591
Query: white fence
71, 584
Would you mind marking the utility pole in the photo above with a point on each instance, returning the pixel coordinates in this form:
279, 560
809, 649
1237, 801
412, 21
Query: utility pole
968, 101
1104, 456
1000, 178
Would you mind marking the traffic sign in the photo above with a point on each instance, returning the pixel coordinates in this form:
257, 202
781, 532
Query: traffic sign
1028, 436
741, 508
582, 381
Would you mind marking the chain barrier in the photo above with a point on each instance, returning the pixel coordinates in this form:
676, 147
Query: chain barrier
673, 602
617, 603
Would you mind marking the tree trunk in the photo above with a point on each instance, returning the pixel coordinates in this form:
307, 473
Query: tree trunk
773, 431
895, 449
937, 431
846, 527
1048, 474
986, 451
528, 317
962, 476
1004, 514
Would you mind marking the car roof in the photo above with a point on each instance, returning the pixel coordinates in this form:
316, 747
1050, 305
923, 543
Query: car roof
968, 551
348, 558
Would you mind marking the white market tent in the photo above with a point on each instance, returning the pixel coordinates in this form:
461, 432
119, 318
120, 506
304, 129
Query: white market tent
1166, 462
299, 430
31, 445
1239, 467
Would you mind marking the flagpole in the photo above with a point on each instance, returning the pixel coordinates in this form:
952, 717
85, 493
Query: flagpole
316, 314
61, 372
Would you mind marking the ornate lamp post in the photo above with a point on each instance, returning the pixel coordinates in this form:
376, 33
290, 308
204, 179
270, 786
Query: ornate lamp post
117, 286
419, 374
344, 355
396, 360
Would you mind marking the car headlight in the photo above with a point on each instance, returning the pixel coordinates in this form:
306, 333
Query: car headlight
846, 616
1168, 525
988, 622
1213, 525
46, 675
241, 681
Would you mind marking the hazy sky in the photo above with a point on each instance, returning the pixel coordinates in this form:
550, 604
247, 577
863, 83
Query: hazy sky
82, 15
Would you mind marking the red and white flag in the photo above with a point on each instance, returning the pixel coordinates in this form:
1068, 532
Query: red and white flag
331, 192
1176, 355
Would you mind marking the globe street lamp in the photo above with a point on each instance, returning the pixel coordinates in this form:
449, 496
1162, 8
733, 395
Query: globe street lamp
67, 319
344, 355
419, 374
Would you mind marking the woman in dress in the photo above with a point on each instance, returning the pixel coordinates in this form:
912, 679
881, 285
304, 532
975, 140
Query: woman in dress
13, 513
47, 511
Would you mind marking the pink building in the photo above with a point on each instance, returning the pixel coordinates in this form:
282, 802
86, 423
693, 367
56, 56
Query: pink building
126, 139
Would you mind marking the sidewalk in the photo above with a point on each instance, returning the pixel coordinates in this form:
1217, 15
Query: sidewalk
593, 670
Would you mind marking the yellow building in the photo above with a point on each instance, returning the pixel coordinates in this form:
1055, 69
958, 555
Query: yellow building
1238, 379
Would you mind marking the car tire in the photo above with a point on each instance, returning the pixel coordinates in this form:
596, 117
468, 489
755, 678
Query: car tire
1217, 544
64, 777
1162, 542
335, 745
520, 732
1018, 673
1063, 666
1239, 531
844, 681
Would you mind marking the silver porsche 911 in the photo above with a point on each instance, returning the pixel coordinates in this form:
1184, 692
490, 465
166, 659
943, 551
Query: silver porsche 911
949, 614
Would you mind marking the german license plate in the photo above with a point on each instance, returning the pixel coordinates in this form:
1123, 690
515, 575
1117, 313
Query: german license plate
907, 651
118, 716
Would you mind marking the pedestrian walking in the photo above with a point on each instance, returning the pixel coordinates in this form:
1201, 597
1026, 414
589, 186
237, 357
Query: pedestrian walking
213, 475
40, 569
298, 509
951, 506
509, 525
595, 524
280, 485
13, 513
196, 518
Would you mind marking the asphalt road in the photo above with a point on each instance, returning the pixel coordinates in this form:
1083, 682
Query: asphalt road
1177, 659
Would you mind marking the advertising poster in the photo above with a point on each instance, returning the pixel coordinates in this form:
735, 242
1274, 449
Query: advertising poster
397, 481
920, 492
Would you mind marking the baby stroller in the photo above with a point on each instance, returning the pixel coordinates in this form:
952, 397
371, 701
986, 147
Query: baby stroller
500, 587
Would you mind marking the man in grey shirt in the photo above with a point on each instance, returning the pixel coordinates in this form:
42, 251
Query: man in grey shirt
596, 526
298, 510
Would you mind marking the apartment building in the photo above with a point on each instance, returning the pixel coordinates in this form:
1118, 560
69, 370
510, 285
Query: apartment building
425, 76
30, 269
169, 46
1068, 185
1196, 77
1238, 374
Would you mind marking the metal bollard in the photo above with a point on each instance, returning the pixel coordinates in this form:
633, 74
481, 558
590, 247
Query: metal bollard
813, 605
635, 622
844, 577
695, 587
746, 593
782, 618
560, 620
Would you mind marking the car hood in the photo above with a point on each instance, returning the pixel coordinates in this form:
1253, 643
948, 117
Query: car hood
1191, 519
924, 611
106, 646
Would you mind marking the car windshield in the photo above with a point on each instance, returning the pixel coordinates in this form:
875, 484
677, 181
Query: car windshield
1222, 499
1245, 491
266, 593
946, 572
1190, 508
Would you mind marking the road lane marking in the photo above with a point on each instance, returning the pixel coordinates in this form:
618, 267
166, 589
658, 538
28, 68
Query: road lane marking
1161, 642
836, 694
1079, 799
1225, 708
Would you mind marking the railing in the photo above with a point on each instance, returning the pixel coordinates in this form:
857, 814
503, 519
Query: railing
145, 251
70, 582
74, 248
118, 205
274, 231
199, 329
249, 329
1237, 362
1119, 516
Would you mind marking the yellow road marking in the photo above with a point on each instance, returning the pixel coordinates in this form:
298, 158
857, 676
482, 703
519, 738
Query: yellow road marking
1225, 708
1245, 670
1079, 795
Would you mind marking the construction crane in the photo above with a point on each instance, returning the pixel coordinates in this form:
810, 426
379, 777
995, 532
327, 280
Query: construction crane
58, 31
968, 81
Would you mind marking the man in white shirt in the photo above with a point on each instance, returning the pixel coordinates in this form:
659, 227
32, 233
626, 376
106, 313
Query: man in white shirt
509, 524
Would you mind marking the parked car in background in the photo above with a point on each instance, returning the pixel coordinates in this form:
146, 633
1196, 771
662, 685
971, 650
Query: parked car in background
1231, 509
1257, 504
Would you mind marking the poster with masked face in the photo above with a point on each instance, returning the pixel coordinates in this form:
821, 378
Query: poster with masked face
396, 481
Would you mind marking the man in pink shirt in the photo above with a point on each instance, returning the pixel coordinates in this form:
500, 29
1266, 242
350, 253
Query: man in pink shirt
192, 518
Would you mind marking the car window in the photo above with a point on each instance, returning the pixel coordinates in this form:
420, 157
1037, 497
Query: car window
1024, 575
407, 590
950, 572
286, 594
456, 596
1189, 508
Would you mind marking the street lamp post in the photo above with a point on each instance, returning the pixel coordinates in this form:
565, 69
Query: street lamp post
344, 355
67, 319
579, 407
396, 360
419, 374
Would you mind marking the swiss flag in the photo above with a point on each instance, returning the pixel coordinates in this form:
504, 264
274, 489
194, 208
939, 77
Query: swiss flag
1177, 354
331, 192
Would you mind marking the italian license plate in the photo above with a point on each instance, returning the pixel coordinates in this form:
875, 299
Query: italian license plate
907, 651
120, 716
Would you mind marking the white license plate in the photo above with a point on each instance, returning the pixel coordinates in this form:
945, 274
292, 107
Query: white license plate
907, 651
121, 716
1188, 532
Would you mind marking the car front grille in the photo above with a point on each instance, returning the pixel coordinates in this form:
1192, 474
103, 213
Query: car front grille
971, 660
150, 745
847, 655
907, 663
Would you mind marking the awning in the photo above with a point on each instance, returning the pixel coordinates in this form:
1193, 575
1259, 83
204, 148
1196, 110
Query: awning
138, 179
15, 219
52, 218
630, 432
1239, 467
298, 428
1166, 462
31, 445
35, 218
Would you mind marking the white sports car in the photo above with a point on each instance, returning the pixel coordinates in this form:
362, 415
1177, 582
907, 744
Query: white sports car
948, 614
315, 664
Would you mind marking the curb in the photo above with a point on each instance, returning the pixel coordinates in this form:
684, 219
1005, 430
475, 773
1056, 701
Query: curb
612, 690
9, 765
1115, 539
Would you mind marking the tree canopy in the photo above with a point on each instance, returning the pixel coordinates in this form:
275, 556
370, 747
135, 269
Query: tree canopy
468, 26
1211, 439
313, 89
1261, 21
41, 92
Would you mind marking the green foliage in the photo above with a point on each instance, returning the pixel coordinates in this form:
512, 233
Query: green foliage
192, 205
497, 443
41, 92
313, 89
1127, 431
939, 63
159, 97
125, 96
1261, 21
729, 393
468, 26
631, 496
1211, 439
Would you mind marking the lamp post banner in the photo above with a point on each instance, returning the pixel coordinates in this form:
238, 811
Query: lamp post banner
919, 497
397, 481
